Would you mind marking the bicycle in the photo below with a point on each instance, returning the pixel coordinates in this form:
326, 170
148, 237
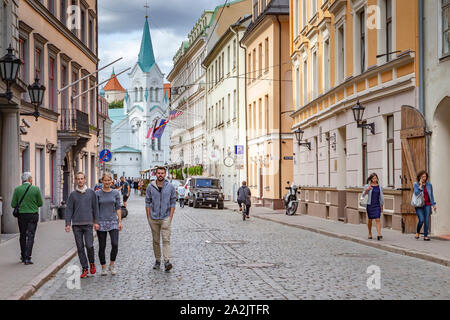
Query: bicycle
244, 211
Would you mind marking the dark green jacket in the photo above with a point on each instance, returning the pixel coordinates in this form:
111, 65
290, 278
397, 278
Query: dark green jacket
32, 200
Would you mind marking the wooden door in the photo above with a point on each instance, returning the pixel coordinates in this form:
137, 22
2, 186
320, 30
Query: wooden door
413, 143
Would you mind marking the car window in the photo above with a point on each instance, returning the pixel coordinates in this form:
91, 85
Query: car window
208, 183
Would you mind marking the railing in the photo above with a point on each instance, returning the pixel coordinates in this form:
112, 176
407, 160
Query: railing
74, 120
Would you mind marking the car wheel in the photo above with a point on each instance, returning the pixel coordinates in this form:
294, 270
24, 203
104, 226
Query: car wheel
220, 206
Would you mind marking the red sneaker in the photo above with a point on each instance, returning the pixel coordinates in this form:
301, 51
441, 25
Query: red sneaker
92, 268
84, 274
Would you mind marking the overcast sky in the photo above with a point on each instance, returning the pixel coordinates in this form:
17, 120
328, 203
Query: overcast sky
121, 24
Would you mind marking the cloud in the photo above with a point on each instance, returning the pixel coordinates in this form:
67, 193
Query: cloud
120, 31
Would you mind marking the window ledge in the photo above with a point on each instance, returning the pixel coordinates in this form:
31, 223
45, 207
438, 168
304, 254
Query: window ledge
444, 58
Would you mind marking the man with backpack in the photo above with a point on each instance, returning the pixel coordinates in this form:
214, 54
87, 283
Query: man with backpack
125, 190
28, 199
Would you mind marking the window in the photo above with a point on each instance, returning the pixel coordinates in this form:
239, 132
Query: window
91, 35
74, 17
260, 121
341, 55
159, 144
75, 89
316, 158
255, 9
260, 66
64, 100
92, 109
266, 105
254, 64
388, 29
234, 104
362, 43
313, 7
326, 65
223, 64
83, 26
153, 144
266, 55
304, 14
51, 6
364, 155
390, 150
234, 54
315, 82
62, 12
37, 63
23, 59
305, 82
229, 107
445, 27
263, 5
297, 87
220, 69
52, 105
83, 97
223, 110
296, 18
249, 71
228, 59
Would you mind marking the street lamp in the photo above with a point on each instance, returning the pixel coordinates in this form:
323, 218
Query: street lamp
9, 69
358, 113
36, 93
299, 135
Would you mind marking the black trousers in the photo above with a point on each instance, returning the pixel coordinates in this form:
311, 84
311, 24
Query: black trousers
84, 238
27, 227
114, 235
248, 207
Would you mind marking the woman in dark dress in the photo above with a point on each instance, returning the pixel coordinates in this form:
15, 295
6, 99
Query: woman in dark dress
375, 203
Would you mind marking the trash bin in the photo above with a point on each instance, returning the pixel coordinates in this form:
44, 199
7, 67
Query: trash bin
62, 212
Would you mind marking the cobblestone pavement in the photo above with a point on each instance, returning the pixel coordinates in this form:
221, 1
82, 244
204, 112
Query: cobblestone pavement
216, 255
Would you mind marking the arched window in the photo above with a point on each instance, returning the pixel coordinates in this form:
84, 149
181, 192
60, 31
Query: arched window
157, 94
151, 94
141, 94
135, 94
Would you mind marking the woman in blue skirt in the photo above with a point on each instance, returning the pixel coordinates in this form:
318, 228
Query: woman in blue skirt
375, 203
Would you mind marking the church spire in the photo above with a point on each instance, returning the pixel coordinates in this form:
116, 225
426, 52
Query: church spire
146, 58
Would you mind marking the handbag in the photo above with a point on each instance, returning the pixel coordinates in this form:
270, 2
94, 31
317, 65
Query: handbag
363, 199
417, 201
16, 209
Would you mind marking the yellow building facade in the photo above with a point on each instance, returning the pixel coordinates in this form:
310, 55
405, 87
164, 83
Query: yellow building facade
269, 101
344, 52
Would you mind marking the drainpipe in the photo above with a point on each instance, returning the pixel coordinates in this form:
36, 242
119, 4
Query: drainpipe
279, 98
245, 103
237, 94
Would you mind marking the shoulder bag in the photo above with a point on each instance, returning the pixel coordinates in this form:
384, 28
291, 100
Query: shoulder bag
417, 201
16, 209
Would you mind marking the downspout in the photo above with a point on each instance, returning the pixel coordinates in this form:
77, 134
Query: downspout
237, 94
245, 103
279, 98
422, 81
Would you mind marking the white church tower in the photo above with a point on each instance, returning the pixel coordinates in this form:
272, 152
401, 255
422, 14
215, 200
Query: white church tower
146, 100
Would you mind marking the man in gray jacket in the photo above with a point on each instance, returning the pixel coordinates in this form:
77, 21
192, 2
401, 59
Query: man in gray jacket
82, 213
244, 197
160, 202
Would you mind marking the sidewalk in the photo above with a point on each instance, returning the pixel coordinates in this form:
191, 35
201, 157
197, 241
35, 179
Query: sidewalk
436, 250
53, 248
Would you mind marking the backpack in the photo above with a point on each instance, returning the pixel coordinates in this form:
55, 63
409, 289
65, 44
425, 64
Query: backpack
124, 211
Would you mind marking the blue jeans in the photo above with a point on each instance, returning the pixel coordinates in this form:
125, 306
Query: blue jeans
424, 216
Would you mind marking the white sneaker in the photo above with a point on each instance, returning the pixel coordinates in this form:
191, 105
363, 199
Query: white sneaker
112, 270
104, 272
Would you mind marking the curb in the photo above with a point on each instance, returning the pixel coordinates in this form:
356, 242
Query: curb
31, 287
386, 247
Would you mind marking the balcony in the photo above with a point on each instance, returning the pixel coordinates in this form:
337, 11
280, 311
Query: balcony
74, 130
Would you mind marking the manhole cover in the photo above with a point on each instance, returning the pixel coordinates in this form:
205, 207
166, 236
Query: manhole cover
353, 255
256, 265
229, 242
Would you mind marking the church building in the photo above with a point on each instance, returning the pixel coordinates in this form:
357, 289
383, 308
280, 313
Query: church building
146, 102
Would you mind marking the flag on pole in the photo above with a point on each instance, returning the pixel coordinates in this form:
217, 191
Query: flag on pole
150, 130
159, 130
174, 114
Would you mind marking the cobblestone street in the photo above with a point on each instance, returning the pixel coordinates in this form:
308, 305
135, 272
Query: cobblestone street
216, 255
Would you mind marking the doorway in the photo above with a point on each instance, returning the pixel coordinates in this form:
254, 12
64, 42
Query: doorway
340, 166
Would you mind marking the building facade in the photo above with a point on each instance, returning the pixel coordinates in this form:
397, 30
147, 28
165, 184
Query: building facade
269, 101
344, 52
437, 106
225, 112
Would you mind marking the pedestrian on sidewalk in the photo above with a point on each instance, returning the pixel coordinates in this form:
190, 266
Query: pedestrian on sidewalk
110, 221
243, 196
424, 212
181, 192
82, 214
28, 214
375, 203
135, 186
125, 189
160, 202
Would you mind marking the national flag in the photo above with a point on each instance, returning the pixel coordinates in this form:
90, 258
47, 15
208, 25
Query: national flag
159, 130
174, 114
150, 130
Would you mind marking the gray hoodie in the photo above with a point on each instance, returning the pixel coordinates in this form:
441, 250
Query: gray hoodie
160, 202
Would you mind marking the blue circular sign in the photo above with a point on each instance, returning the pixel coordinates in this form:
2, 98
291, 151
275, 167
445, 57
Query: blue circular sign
105, 156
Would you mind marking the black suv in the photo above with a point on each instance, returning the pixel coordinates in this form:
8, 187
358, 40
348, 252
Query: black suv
205, 191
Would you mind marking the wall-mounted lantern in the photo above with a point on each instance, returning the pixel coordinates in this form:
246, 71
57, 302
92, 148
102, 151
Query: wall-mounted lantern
299, 135
358, 113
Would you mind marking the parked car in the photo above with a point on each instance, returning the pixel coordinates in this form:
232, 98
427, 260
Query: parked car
205, 191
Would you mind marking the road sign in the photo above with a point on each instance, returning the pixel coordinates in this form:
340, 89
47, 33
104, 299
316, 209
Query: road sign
105, 156
238, 149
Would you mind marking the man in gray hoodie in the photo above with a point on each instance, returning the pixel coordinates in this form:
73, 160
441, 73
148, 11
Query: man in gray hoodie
82, 214
160, 202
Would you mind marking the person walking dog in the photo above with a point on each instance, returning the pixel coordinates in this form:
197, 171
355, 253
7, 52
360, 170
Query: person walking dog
27, 198
82, 214
375, 203
424, 189
244, 197
110, 221
160, 202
